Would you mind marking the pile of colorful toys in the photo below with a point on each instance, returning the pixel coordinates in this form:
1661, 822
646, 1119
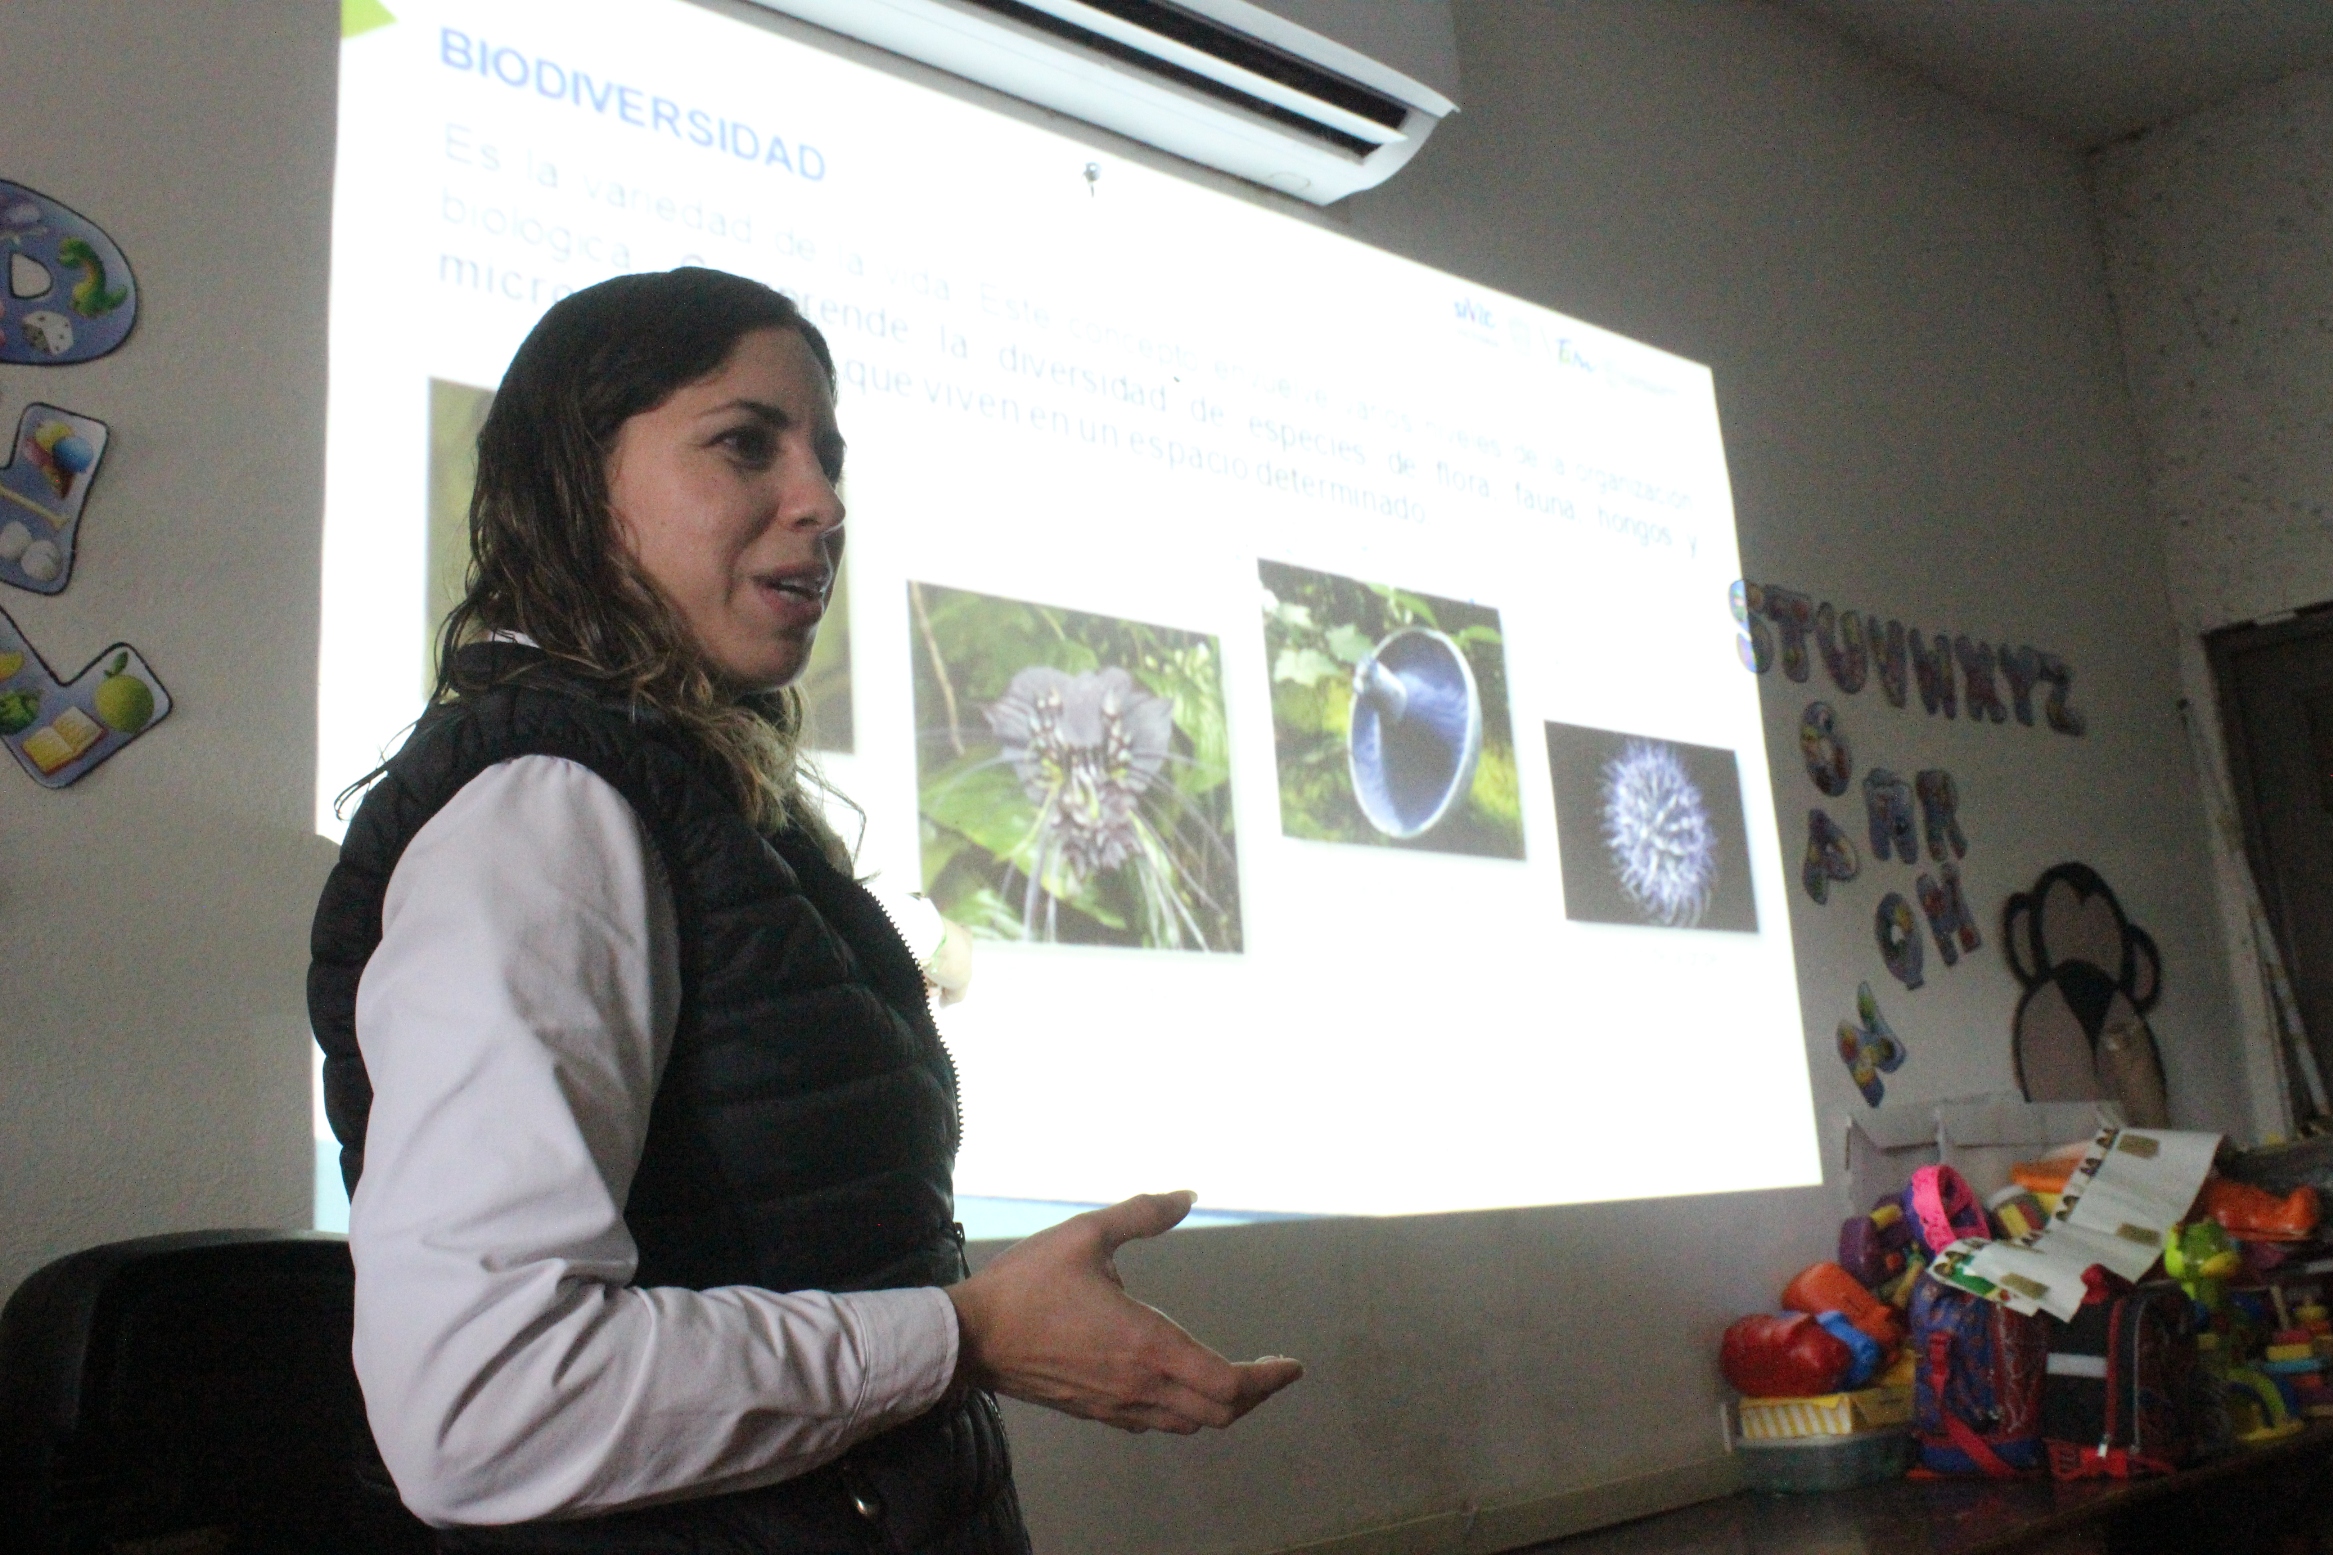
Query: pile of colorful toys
1880, 1363
2252, 1267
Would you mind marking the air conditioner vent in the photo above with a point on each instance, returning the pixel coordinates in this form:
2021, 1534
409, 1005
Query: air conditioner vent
1249, 87
1221, 43
1234, 48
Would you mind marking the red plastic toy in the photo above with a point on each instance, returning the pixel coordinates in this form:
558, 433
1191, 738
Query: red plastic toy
1783, 1355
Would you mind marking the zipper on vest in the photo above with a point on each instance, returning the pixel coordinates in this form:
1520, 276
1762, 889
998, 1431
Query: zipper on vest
931, 1014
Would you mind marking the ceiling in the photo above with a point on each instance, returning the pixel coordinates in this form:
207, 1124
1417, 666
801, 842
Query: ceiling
2089, 71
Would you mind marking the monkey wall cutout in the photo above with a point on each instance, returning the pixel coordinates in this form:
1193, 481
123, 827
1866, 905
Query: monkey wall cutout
2090, 975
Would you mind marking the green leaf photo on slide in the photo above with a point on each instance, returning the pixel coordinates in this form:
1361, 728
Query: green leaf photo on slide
1073, 775
1320, 632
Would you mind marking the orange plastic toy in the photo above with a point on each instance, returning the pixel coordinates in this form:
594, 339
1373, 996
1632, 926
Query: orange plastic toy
2044, 1176
2255, 1215
1825, 1287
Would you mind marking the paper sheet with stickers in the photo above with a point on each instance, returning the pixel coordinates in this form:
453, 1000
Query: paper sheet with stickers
2132, 1186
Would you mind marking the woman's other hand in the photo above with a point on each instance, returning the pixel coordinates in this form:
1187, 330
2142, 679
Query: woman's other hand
1049, 1321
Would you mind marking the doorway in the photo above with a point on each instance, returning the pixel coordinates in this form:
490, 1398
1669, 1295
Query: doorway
2276, 704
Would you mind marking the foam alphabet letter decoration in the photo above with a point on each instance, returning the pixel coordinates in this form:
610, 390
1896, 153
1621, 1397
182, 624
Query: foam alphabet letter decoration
1888, 655
1933, 670
70, 295
1948, 916
1898, 931
1940, 813
1776, 624
1793, 615
2053, 672
1830, 855
2021, 667
1829, 763
2090, 975
1839, 639
61, 731
43, 486
1868, 1048
1976, 666
1754, 640
1887, 803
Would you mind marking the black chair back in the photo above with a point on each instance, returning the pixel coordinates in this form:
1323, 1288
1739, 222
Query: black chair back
191, 1395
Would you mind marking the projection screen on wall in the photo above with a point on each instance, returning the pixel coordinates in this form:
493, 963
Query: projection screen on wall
1308, 674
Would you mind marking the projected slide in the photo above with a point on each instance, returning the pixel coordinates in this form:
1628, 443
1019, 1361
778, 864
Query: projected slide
1308, 674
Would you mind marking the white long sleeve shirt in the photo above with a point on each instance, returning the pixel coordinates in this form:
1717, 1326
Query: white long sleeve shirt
515, 1021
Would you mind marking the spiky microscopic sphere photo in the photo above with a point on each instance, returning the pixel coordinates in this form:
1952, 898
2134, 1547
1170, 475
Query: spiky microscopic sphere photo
1073, 775
1664, 848
1651, 831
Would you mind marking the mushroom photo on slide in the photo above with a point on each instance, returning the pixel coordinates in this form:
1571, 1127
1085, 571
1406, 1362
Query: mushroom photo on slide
1389, 716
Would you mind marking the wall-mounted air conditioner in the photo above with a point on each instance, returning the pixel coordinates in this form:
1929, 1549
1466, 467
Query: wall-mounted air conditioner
1318, 98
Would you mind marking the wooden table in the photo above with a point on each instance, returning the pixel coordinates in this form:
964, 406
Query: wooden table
2273, 1500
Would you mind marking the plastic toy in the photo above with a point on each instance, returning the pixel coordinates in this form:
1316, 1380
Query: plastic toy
2262, 1259
2256, 1215
1871, 1247
1783, 1355
1869, 1357
1825, 1287
1897, 1293
2016, 1212
2046, 1176
1943, 1209
2250, 1309
2257, 1408
2200, 1257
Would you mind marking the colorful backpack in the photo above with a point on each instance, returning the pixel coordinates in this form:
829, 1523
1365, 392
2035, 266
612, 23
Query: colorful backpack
1977, 1371
2118, 1374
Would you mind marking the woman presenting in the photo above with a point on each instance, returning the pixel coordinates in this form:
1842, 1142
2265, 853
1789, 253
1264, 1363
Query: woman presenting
648, 1131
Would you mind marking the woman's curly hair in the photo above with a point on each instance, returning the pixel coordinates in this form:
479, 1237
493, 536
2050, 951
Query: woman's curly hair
545, 557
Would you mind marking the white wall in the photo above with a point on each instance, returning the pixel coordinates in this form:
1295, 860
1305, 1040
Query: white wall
1901, 299
2219, 238
153, 1036
1903, 303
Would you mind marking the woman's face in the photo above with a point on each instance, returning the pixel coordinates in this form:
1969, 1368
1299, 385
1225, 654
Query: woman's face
725, 496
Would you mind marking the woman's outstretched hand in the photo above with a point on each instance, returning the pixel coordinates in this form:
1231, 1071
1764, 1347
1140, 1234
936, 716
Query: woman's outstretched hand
1049, 1321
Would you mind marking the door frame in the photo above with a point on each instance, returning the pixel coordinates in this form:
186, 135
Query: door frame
2223, 647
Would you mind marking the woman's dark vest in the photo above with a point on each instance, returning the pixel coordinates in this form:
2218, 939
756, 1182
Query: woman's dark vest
803, 1136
